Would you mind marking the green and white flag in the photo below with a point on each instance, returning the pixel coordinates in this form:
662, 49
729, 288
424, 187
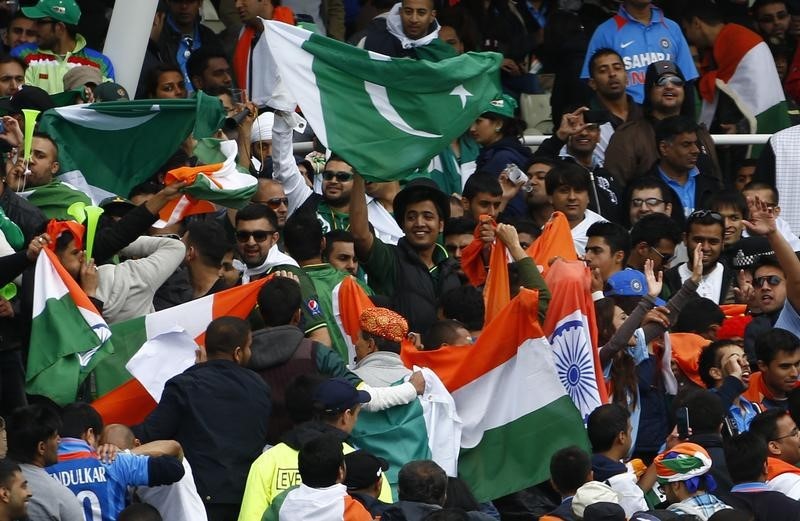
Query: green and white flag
108, 148
385, 116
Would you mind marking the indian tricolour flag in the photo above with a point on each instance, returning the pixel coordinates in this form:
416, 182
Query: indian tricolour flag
108, 148
151, 349
385, 116
515, 412
745, 71
218, 183
571, 328
68, 335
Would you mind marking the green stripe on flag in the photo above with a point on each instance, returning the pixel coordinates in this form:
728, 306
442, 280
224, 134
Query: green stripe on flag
520, 451
129, 336
770, 121
397, 435
58, 334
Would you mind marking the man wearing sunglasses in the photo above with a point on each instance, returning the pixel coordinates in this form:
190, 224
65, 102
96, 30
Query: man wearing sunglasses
632, 149
772, 20
332, 208
59, 47
257, 245
654, 237
769, 291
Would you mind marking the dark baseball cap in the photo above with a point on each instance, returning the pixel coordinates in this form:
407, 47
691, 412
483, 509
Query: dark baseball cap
110, 91
30, 97
363, 469
337, 395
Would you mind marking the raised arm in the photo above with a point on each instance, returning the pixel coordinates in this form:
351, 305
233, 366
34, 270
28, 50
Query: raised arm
284, 167
359, 221
762, 222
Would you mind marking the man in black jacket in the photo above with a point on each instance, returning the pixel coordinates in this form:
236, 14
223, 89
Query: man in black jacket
183, 34
409, 30
218, 411
417, 271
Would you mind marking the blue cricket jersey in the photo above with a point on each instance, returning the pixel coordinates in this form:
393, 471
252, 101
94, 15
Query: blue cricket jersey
100, 488
640, 45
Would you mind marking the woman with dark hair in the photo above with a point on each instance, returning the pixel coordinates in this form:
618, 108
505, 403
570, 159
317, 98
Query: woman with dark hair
165, 81
631, 366
498, 131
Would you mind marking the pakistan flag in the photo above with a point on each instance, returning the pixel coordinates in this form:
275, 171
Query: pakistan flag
385, 116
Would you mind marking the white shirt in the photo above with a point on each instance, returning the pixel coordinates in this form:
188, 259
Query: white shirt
579, 232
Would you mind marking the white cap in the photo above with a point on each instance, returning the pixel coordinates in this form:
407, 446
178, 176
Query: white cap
262, 127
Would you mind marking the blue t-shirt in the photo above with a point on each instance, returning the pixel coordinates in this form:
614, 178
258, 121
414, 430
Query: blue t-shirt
100, 488
640, 45
685, 192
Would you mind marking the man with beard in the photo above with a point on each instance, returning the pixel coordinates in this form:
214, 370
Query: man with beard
60, 46
417, 271
332, 208
632, 150
257, 238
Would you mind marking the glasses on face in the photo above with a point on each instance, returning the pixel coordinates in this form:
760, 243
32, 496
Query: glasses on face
276, 202
792, 434
46, 21
664, 258
672, 80
342, 177
650, 202
772, 280
258, 235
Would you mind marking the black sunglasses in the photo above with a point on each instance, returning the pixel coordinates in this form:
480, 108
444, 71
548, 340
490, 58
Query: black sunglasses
258, 235
674, 80
664, 258
275, 202
342, 177
772, 280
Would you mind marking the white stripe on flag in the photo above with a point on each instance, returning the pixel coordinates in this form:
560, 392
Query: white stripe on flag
285, 43
194, 317
518, 387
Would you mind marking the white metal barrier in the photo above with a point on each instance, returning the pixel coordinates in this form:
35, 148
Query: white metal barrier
719, 139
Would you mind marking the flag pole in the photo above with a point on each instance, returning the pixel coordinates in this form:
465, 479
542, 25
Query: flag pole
126, 43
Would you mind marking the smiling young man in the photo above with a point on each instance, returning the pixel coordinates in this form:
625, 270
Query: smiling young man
417, 271
724, 369
704, 228
568, 188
